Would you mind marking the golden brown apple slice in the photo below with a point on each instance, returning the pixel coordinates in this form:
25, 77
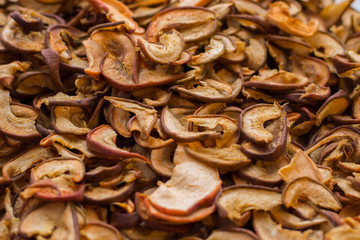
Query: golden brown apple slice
22, 129
161, 160
194, 23
263, 172
301, 165
235, 200
232, 233
68, 120
99, 230
102, 140
307, 188
191, 185
174, 129
171, 48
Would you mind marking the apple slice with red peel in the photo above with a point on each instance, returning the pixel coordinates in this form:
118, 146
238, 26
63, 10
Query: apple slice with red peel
191, 185
235, 200
307, 188
102, 140
161, 160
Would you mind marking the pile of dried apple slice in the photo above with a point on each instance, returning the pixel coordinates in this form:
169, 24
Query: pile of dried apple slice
157, 119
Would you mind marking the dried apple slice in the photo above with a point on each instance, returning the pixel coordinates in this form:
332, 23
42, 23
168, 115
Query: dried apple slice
264, 173
252, 121
99, 230
213, 51
296, 46
191, 185
232, 233
172, 46
102, 140
31, 83
301, 165
94, 54
146, 115
61, 99
117, 11
278, 14
22, 129
256, 53
225, 159
174, 129
333, 12
194, 23
56, 37
235, 200
325, 45
8, 71
161, 160
153, 96
307, 188
25, 161
68, 120
280, 81
267, 229
334, 105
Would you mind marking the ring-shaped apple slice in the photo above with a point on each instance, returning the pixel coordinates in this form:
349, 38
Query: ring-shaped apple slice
307, 188
22, 129
102, 140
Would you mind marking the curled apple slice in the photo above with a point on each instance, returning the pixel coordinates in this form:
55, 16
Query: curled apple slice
235, 200
31, 83
252, 121
146, 115
191, 185
279, 15
213, 51
8, 71
102, 140
161, 160
170, 50
68, 120
22, 129
194, 23
307, 188
174, 129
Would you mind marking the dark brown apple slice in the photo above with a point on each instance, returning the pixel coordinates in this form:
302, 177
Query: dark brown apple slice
102, 172
235, 200
22, 129
191, 185
187, 20
307, 188
263, 172
102, 140
174, 129
61, 99
27, 21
